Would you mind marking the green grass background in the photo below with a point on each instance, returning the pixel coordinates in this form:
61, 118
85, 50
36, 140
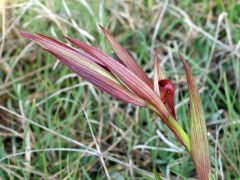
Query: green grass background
46, 108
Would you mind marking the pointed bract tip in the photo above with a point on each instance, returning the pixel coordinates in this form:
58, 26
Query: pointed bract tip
27, 35
181, 57
105, 31
102, 28
66, 37
179, 51
156, 52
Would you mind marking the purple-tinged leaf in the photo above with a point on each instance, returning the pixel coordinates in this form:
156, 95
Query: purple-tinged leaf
68, 47
199, 141
126, 58
86, 68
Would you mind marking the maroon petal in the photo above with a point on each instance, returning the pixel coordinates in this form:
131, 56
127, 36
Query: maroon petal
167, 89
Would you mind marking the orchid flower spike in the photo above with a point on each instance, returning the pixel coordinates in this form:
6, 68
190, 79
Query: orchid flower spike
126, 81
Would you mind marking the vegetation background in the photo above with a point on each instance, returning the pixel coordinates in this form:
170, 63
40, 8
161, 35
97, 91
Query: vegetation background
55, 125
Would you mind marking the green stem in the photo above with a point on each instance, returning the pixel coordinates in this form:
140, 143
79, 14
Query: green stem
176, 128
180, 133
